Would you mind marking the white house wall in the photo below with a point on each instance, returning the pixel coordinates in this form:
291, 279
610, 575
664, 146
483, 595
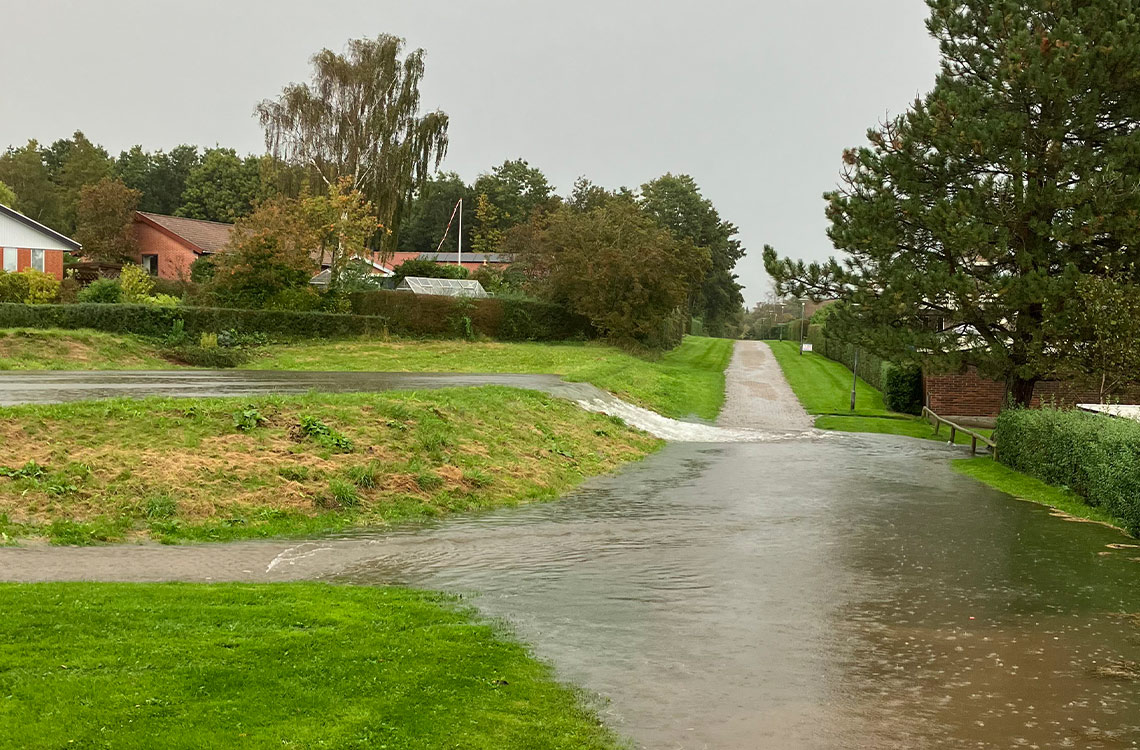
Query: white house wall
17, 234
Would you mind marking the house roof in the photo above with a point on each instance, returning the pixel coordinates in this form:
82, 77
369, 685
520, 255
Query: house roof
34, 225
204, 236
467, 257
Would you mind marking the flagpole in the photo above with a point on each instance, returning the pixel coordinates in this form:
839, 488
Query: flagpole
459, 255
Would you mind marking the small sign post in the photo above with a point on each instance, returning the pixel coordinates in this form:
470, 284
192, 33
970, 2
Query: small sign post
805, 347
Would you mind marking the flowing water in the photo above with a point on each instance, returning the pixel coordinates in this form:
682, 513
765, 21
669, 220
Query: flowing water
813, 594
788, 590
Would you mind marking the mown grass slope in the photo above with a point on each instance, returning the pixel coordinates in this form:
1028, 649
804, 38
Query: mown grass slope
189, 666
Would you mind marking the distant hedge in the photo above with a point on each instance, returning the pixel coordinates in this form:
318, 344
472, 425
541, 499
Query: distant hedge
151, 320
507, 318
1095, 456
376, 312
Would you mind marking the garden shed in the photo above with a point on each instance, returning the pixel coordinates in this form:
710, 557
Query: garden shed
442, 287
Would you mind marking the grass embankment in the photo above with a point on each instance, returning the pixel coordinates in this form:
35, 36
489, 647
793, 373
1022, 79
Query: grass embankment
823, 387
688, 381
33, 349
216, 469
270, 666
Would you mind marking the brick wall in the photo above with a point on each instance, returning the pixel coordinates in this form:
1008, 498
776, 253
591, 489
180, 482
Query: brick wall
174, 258
53, 261
967, 394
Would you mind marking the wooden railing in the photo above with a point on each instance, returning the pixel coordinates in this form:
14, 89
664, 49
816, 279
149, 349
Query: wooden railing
955, 428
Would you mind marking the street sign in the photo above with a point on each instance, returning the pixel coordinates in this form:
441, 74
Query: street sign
807, 347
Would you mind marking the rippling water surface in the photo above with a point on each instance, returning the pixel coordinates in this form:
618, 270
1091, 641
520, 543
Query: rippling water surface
826, 594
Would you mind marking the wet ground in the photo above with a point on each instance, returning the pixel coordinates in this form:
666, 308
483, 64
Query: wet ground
809, 591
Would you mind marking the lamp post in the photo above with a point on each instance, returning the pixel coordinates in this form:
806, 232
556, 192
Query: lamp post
854, 377
803, 314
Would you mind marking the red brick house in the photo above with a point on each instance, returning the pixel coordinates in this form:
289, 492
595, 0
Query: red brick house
471, 261
168, 245
25, 243
968, 394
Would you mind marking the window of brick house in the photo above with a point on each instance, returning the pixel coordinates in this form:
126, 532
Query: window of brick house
150, 263
9, 257
38, 260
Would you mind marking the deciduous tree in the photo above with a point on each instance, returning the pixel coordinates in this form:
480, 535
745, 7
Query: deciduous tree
359, 119
105, 216
222, 187
966, 220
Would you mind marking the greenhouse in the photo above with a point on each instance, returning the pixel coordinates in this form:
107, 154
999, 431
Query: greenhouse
444, 287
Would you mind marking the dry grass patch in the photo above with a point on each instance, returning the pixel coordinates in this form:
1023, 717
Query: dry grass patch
175, 470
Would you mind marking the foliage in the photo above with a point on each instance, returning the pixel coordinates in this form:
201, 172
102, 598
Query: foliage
428, 269
319, 432
343, 221
515, 194
969, 219
105, 219
13, 287
74, 163
202, 269
159, 177
37, 196
248, 418
902, 388
426, 216
269, 251
359, 121
500, 281
210, 357
1099, 330
7, 196
222, 187
102, 291
136, 283
299, 298
488, 236
43, 288
676, 203
614, 265
157, 320
1092, 455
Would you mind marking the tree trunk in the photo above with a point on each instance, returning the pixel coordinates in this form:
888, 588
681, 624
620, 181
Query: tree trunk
1019, 391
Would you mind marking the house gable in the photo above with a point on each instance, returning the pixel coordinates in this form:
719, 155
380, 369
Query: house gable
19, 231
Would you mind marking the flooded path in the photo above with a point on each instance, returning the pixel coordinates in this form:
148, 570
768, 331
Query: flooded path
812, 592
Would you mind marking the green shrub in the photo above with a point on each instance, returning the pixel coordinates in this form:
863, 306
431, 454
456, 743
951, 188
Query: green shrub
304, 300
136, 283
902, 388
323, 435
212, 357
102, 292
248, 419
43, 288
13, 287
1095, 456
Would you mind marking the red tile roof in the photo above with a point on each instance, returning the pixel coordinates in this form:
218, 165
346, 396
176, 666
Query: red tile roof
206, 236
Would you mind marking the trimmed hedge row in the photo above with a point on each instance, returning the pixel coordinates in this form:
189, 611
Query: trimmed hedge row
507, 318
151, 320
1095, 456
901, 384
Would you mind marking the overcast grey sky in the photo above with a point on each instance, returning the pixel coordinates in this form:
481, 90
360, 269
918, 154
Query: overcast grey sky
756, 99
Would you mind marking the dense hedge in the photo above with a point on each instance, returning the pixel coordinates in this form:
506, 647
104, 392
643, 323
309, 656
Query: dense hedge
507, 318
151, 320
1095, 456
901, 384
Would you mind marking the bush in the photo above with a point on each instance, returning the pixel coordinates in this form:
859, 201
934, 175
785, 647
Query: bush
43, 288
305, 300
102, 292
158, 321
13, 287
212, 357
136, 283
1095, 456
902, 387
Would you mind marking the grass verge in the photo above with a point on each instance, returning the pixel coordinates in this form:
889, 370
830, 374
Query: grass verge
270, 666
1025, 487
823, 387
219, 469
51, 349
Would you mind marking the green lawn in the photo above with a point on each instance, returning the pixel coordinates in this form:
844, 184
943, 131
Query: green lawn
217, 469
1020, 485
687, 381
52, 349
270, 666
823, 386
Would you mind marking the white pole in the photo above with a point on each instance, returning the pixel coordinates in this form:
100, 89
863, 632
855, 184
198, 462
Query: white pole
459, 255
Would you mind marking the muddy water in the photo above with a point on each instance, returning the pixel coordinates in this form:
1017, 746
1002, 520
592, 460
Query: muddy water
853, 594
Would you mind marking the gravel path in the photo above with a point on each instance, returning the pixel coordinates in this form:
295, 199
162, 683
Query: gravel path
757, 396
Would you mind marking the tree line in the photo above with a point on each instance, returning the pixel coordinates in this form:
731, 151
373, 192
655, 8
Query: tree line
354, 136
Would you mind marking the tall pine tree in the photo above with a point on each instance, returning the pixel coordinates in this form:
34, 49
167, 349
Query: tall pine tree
969, 220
